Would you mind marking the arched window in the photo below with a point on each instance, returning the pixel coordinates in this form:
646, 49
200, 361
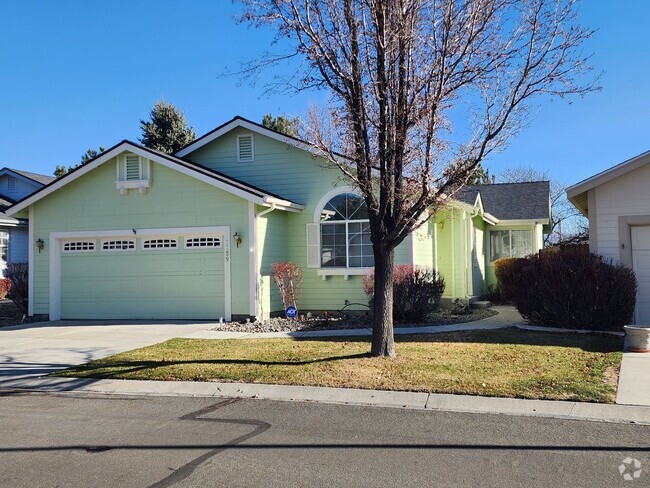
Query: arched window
345, 233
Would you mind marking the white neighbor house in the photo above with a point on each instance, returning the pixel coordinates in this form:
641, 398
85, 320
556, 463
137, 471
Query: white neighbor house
617, 204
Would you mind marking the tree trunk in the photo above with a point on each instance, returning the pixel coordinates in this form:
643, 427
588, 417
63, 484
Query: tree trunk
383, 343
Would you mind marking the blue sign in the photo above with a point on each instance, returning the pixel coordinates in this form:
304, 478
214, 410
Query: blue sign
291, 312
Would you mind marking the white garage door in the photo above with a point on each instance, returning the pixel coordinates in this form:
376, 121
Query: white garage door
641, 266
161, 277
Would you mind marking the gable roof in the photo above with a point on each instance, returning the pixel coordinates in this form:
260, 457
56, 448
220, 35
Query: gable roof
215, 178
577, 194
239, 121
511, 201
35, 177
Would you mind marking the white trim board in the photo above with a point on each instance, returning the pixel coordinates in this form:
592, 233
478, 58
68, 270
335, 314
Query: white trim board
255, 128
222, 182
56, 239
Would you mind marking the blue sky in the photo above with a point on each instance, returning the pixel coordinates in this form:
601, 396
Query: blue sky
80, 74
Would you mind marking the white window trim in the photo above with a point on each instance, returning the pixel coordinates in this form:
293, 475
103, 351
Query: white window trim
347, 271
169, 238
106, 241
124, 185
347, 242
497, 229
252, 159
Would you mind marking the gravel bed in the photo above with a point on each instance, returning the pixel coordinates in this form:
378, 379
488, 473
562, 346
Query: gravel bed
338, 321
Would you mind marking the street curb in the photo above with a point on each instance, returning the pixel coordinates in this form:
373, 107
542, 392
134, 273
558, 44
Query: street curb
348, 396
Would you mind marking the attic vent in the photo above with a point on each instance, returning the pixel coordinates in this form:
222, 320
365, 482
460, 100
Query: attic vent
11, 183
132, 167
245, 149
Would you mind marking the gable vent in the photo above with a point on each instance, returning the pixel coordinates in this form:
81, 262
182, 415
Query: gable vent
132, 167
11, 183
245, 149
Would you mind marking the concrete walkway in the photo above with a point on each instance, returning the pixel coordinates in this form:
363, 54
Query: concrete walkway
634, 379
506, 317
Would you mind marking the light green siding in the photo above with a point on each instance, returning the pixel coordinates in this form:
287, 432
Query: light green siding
452, 251
295, 174
423, 245
92, 203
272, 248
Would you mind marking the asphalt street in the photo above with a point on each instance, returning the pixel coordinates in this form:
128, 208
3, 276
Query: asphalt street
83, 440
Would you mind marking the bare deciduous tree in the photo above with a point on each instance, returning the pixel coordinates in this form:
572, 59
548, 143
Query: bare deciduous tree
421, 91
568, 225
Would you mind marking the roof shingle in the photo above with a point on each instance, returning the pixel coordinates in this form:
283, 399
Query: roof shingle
511, 201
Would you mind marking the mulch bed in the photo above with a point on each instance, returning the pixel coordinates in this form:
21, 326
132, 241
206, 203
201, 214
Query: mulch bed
338, 321
9, 314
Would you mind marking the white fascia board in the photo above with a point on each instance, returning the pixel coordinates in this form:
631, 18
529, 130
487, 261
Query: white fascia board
490, 219
233, 187
285, 204
238, 122
509, 223
609, 174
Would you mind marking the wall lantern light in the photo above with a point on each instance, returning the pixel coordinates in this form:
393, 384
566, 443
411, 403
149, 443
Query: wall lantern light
237, 238
40, 245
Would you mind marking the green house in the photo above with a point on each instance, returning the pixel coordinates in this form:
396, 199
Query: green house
138, 234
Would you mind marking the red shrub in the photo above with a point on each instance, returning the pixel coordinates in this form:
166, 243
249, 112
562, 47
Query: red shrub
288, 278
416, 291
5, 286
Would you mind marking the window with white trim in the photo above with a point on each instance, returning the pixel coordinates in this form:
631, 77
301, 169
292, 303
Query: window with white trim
160, 243
245, 148
119, 245
4, 241
345, 233
79, 246
510, 244
202, 242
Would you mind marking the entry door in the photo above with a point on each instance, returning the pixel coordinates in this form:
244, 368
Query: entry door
641, 266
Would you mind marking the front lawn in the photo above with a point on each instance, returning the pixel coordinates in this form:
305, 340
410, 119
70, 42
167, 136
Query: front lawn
505, 363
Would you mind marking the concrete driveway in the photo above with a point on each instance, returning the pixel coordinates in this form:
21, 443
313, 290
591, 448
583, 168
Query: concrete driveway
40, 348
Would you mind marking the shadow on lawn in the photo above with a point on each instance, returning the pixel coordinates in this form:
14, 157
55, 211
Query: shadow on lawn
127, 367
603, 343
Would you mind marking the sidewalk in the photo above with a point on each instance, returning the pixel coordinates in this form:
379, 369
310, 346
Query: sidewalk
347, 396
634, 379
507, 317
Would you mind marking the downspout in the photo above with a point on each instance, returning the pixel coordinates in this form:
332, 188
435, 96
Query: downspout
257, 261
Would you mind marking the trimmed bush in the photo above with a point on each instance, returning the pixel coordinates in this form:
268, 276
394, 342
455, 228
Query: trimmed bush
18, 275
5, 286
506, 270
416, 292
574, 290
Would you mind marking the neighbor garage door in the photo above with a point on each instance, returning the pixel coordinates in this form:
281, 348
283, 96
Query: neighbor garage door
162, 277
641, 265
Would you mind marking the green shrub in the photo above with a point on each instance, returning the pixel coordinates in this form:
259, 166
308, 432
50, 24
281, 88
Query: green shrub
574, 290
416, 292
507, 271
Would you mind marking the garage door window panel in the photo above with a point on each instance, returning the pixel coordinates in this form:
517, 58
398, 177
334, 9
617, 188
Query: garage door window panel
119, 245
79, 246
203, 242
159, 244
